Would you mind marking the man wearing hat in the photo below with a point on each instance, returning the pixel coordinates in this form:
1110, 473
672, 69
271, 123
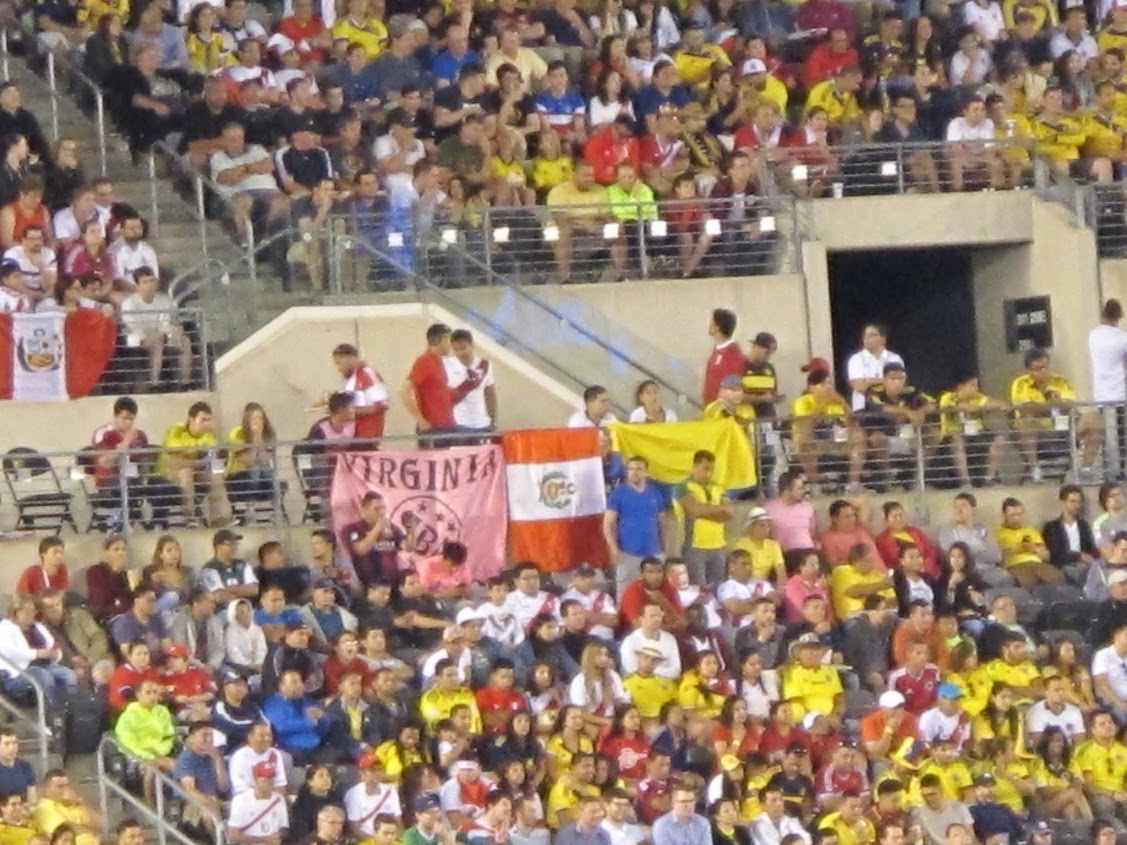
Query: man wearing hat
707, 511
369, 798
886, 728
259, 814
811, 682
453, 647
226, 576
430, 826
947, 720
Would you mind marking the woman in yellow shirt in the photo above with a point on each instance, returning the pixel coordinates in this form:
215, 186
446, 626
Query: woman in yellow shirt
550, 167
396, 755
250, 459
965, 673
999, 720
704, 688
207, 50
1077, 679
1058, 786
568, 740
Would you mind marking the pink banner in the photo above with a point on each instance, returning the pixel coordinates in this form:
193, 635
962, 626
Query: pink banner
445, 494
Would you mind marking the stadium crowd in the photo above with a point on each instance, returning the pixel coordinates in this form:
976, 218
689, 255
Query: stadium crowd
798, 678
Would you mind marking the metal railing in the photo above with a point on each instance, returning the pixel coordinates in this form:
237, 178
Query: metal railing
157, 816
287, 483
874, 169
40, 731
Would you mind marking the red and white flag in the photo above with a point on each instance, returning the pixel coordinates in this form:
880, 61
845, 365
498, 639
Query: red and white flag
52, 357
557, 497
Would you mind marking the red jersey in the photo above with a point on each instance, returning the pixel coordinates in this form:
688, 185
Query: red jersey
497, 702
726, 360
302, 34
650, 793
773, 743
834, 781
368, 391
334, 668
635, 596
630, 754
919, 691
604, 153
428, 375
35, 580
107, 439
873, 725
750, 744
190, 682
125, 680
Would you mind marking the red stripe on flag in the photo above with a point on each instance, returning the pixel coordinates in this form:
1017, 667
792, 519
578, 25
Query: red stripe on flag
557, 545
7, 356
542, 445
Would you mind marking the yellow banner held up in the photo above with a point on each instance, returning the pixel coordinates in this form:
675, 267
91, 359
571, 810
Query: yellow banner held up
669, 449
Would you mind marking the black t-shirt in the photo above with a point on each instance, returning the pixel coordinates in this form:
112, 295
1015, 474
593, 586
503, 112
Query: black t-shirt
381, 562
451, 99
877, 400
201, 123
307, 167
262, 126
761, 380
292, 579
796, 791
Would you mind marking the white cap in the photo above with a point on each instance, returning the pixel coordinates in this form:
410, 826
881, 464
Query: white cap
280, 43
467, 614
890, 699
754, 66
1118, 576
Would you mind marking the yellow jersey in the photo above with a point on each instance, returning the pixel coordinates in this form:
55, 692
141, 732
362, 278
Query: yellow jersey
816, 690
840, 106
954, 420
189, 446
844, 576
549, 172
1010, 541
975, 686
1105, 133
650, 694
860, 832
707, 534
563, 796
696, 68
1105, 766
1044, 11
560, 756
435, 705
1110, 38
1060, 141
766, 557
371, 34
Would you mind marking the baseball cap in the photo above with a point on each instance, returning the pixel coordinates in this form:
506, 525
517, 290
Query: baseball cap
754, 66
426, 802
797, 748
584, 570
816, 365
305, 124
765, 340
984, 779
297, 625
368, 760
178, 651
321, 584
949, 690
1117, 577
1041, 829
264, 769
731, 382
651, 651
890, 699
224, 536
809, 639
467, 614
758, 515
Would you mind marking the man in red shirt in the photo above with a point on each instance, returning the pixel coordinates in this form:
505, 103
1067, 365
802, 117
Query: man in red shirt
654, 587
829, 58
425, 393
727, 359
917, 680
611, 146
308, 32
369, 393
883, 731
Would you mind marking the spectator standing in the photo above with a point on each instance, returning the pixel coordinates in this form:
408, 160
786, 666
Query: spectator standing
792, 514
472, 386
425, 394
634, 523
865, 368
1107, 354
369, 393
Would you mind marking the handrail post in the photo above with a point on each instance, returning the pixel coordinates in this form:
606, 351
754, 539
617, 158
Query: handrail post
154, 205
4, 68
100, 110
276, 492
642, 241
899, 168
52, 86
201, 212
103, 791
123, 463
487, 226
921, 475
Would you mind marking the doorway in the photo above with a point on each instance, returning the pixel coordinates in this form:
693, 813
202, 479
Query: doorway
926, 299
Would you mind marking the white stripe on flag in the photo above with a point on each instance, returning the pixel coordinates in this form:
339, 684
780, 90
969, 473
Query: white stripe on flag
556, 490
38, 357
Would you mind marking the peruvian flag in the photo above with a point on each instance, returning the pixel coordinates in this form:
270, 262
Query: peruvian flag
52, 357
556, 497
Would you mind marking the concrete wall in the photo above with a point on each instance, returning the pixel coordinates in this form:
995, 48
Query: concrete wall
287, 366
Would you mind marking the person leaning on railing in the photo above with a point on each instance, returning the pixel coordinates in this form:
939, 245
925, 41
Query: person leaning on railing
190, 461
970, 418
1059, 139
631, 204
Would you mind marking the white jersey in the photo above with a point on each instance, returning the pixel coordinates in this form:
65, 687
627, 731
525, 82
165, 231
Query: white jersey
252, 816
866, 365
362, 806
38, 275
501, 624
1107, 352
595, 601
243, 761
470, 411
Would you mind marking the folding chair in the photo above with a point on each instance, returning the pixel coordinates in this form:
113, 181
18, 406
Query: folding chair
105, 505
41, 503
1028, 607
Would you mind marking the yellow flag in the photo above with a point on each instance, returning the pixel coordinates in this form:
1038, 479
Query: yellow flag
669, 449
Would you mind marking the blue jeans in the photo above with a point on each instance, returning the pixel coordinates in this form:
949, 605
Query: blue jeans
55, 680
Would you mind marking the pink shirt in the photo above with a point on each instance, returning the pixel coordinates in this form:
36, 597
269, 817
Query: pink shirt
433, 575
797, 591
836, 545
792, 526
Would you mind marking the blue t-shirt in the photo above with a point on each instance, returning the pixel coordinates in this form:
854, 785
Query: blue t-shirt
290, 614
559, 112
446, 66
16, 778
199, 766
650, 99
638, 512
